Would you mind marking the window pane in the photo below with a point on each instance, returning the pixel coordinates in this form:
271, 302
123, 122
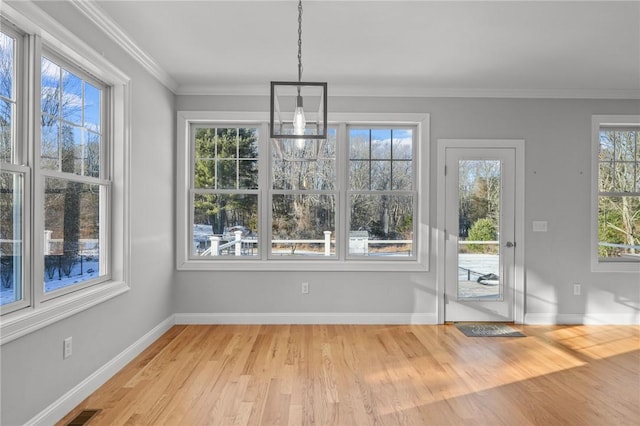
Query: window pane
6, 130
226, 174
381, 225
359, 175
49, 146
299, 225
380, 175
71, 97
204, 174
402, 144
606, 175
72, 149
619, 228
7, 97
624, 145
381, 144
227, 143
247, 174
11, 248
624, 177
72, 233
606, 145
50, 88
7, 64
225, 225
402, 175
91, 156
359, 144
92, 108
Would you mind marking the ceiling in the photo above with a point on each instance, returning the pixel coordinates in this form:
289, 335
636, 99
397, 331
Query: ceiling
404, 48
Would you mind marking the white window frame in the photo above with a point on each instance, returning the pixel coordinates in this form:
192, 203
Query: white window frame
18, 164
597, 122
339, 262
41, 30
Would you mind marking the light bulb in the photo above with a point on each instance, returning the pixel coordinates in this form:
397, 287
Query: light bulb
299, 123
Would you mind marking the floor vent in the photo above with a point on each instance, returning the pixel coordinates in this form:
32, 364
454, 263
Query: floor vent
83, 418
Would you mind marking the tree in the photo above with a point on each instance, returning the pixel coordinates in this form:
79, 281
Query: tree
483, 229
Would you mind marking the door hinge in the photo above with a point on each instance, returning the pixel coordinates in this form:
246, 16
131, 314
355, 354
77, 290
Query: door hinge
445, 170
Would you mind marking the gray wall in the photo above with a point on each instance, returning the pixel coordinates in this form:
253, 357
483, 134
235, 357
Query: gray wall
557, 136
33, 372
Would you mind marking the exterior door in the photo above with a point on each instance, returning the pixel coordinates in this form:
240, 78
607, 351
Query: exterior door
479, 234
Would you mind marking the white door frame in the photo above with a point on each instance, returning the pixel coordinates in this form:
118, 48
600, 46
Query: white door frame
519, 284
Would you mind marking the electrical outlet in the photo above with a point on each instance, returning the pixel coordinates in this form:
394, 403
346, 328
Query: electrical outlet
304, 288
67, 347
576, 289
539, 226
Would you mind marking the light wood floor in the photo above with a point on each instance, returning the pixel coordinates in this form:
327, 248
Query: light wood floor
376, 375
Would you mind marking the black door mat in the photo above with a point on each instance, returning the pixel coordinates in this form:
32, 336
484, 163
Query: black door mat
488, 330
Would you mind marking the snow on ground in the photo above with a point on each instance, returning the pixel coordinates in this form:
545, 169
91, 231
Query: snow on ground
89, 269
479, 263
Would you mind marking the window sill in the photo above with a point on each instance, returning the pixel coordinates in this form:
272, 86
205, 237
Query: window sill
28, 320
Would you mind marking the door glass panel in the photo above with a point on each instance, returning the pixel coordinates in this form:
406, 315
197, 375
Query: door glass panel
479, 183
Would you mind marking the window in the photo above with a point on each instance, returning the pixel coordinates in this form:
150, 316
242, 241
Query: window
616, 193
14, 177
63, 187
76, 183
381, 191
355, 201
303, 197
225, 191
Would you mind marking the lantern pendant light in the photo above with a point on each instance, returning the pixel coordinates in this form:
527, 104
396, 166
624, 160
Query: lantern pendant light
298, 109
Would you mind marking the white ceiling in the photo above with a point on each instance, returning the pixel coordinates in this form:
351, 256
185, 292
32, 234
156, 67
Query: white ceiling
421, 48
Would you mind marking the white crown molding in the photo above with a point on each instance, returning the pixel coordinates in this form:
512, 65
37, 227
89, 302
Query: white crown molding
412, 92
103, 21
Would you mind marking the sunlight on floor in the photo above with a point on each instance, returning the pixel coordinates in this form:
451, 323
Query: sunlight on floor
606, 342
510, 362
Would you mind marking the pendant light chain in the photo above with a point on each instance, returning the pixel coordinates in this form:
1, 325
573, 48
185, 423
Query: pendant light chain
299, 41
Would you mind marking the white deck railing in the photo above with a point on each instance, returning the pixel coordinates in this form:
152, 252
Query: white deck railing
237, 243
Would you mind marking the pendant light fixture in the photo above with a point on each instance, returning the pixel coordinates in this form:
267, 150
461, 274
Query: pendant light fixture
298, 109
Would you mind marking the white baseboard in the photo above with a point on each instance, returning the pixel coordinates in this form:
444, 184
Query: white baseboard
306, 318
583, 319
67, 402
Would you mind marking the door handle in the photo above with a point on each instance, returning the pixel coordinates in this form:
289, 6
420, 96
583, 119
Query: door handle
510, 244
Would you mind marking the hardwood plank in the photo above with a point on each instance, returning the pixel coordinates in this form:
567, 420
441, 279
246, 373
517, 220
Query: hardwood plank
376, 375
